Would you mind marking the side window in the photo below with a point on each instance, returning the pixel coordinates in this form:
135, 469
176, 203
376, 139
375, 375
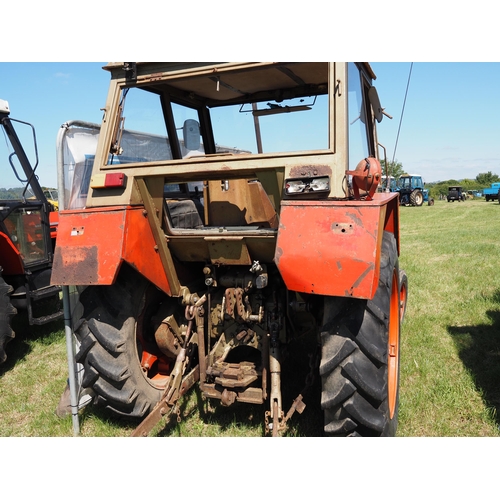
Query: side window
359, 118
144, 135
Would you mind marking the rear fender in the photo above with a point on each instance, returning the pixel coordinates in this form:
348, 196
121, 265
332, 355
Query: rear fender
92, 244
333, 247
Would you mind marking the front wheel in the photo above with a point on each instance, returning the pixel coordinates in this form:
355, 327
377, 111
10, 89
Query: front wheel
360, 356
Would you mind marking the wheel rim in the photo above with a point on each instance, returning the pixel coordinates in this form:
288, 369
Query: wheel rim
402, 301
393, 352
155, 366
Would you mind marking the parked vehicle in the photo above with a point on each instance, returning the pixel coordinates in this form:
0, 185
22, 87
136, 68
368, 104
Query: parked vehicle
412, 191
28, 227
387, 184
52, 197
492, 192
456, 193
201, 266
473, 193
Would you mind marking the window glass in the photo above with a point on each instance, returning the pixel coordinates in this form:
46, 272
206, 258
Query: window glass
183, 114
25, 228
144, 136
271, 127
358, 140
14, 180
299, 124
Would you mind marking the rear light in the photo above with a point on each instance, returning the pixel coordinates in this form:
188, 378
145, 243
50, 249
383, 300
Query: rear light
308, 185
112, 180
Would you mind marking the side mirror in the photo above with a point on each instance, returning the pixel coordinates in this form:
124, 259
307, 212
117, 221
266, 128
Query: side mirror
191, 135
375, 102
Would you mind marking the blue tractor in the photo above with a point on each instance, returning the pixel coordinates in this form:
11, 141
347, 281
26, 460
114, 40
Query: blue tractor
412, 191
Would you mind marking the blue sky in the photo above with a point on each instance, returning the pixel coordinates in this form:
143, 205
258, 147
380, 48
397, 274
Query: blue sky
450, 127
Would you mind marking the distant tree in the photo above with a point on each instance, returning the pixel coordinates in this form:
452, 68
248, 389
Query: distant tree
441, 188
486, 179
470, 184
395, 168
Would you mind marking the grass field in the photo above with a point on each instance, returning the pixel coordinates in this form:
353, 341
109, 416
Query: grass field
450, 348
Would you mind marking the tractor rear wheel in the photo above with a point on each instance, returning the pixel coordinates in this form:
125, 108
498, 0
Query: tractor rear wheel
7, 311
403, 294
417, 198
360, 356
115, 318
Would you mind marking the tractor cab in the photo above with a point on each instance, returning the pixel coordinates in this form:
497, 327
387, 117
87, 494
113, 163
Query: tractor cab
26, 237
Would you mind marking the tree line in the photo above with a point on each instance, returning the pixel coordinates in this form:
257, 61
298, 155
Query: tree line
480, 182
16, 193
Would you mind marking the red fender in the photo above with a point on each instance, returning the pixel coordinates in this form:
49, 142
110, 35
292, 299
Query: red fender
333, 247
91, 246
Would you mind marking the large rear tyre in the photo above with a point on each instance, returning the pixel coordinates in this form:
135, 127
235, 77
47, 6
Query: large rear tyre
417, 198
114, 318
7, 311
360, 356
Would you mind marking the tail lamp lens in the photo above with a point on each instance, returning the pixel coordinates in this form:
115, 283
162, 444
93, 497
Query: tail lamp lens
111, 180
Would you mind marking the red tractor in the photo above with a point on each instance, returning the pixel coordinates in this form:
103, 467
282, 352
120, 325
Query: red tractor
235, 213
28, 224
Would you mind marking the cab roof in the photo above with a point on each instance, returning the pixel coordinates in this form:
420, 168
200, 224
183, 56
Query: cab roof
217, 84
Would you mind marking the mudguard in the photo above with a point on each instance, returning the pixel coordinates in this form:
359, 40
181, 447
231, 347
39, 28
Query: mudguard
333, 247
92, 245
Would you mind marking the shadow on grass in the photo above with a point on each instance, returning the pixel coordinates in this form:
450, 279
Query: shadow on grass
21, 345
479, 349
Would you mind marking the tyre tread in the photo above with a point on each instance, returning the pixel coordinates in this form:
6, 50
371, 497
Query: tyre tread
353, 367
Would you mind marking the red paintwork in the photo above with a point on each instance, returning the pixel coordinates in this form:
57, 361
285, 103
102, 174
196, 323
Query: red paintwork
10, 257
91, 246
333, 247
54, 222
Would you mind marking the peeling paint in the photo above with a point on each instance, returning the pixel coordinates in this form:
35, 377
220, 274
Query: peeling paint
310, 171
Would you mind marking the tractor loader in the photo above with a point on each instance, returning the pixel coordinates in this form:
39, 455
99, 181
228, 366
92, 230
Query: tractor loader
28, 225
227, 210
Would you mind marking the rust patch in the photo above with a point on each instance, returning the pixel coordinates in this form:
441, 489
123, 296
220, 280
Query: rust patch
277, 255
75, 266
310, 171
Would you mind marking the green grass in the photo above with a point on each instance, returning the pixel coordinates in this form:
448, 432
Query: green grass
450, 348
450, 364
